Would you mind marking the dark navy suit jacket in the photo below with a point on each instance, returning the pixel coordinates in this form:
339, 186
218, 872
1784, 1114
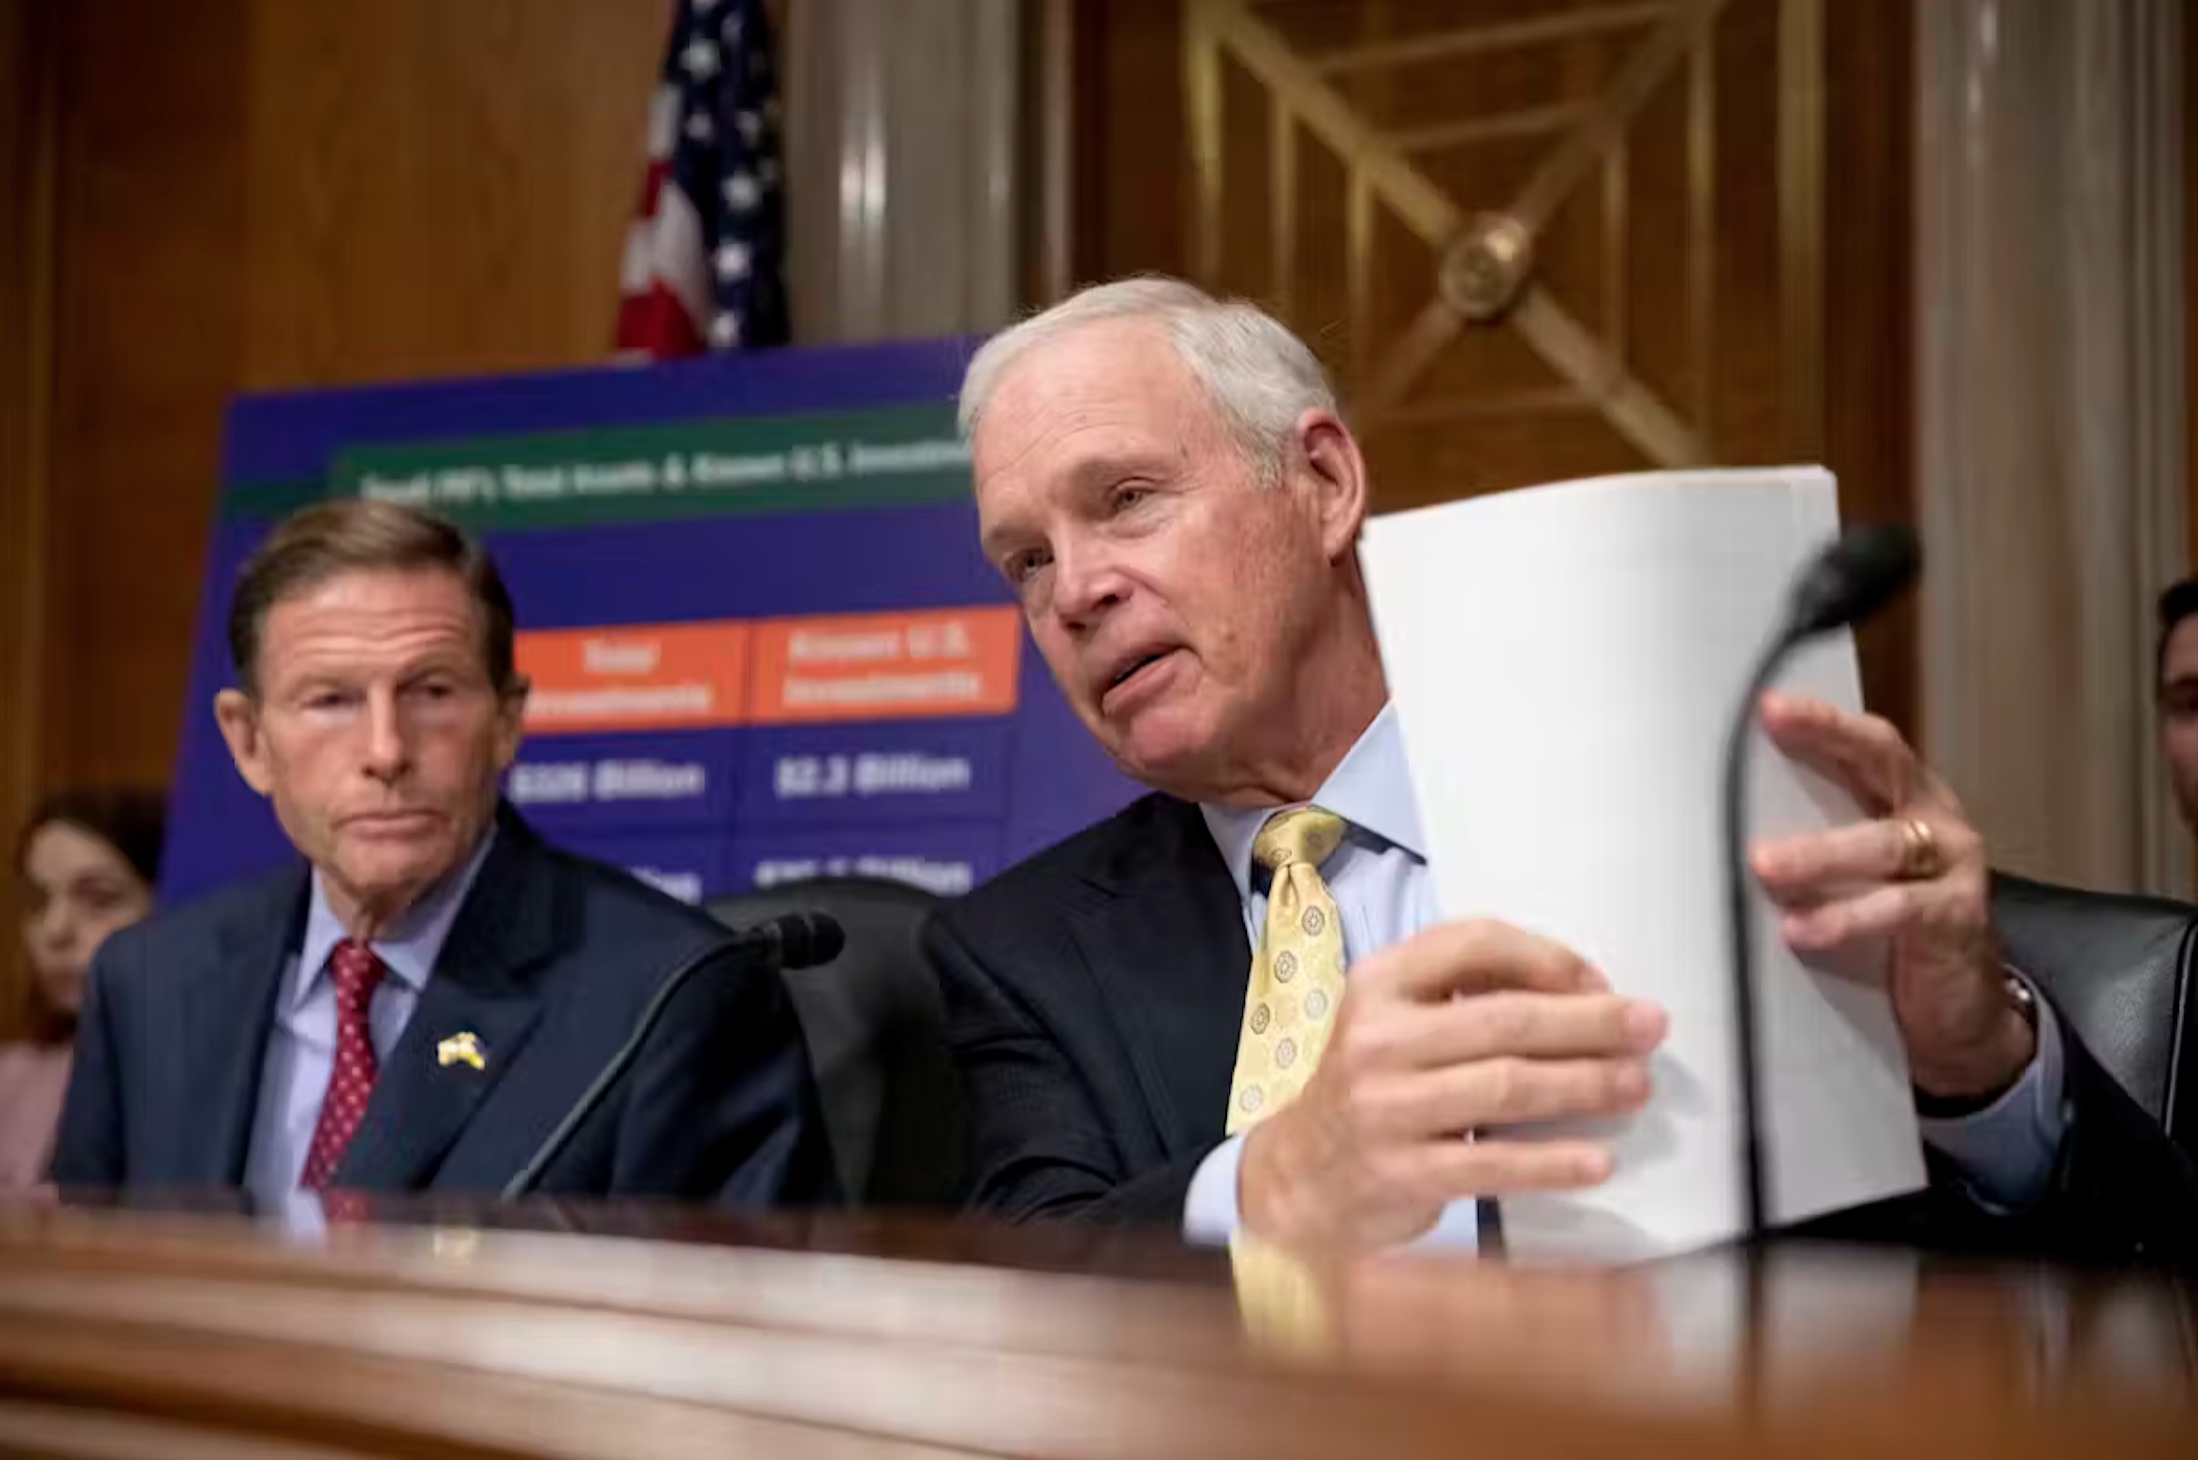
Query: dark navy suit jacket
1093, 996
548, 965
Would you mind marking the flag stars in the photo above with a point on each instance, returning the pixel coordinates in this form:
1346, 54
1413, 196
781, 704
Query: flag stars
700, 58
715, 135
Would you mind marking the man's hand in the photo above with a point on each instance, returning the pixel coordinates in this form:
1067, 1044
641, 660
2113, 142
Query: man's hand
1468, 1027
1965, 1039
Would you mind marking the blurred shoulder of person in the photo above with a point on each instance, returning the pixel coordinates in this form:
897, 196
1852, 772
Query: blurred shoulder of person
87, 862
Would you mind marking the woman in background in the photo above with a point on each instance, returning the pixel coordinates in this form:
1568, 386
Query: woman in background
88, 861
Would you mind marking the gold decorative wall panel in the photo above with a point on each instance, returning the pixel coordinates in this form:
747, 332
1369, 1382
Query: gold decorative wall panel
1532, 240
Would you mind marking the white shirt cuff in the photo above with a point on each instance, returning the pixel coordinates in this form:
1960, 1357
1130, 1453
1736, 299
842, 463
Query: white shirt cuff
1210, 1215
2005, 1152
1209, 1209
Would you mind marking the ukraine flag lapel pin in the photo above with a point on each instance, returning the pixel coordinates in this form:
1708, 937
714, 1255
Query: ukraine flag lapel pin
462, 1048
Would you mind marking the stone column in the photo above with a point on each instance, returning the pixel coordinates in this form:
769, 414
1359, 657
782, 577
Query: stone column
902, 154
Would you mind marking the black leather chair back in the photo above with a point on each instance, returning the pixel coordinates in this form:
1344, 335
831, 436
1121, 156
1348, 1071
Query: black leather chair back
875, 1030
2119, 969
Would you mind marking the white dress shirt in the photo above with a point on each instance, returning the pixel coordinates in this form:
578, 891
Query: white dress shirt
1383, 892
301, 1047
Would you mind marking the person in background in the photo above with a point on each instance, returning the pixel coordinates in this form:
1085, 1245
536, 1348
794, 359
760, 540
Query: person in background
88, 861
2177, 688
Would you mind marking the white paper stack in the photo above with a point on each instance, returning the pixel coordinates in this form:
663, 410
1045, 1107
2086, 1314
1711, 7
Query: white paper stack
1564, 661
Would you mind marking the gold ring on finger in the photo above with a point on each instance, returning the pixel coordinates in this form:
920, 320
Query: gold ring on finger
1920, 856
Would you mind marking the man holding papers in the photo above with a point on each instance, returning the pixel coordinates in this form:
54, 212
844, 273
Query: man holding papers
1234, 1004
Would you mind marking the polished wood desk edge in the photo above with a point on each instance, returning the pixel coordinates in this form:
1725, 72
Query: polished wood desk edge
383, 1405
966, 1359
887, 1297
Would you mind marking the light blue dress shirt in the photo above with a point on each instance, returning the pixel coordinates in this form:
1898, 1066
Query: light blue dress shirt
301, 1047
1383, 891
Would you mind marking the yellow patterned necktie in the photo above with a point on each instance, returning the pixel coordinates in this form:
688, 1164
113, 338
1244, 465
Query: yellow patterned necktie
1297, 974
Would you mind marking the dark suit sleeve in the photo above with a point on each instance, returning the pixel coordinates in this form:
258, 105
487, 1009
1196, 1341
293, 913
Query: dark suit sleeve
88, 1148
2121, 1192
1038, 1147
723, 1104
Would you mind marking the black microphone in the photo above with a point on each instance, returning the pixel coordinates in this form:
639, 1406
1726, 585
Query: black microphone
796, 940
1852, 579
1848, 581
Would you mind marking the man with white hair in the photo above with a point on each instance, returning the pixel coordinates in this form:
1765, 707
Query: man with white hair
1234, 1004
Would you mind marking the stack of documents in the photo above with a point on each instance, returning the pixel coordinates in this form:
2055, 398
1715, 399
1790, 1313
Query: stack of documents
1564, 661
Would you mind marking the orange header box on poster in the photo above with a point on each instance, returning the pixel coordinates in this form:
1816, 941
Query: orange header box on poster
636, 677
887, 666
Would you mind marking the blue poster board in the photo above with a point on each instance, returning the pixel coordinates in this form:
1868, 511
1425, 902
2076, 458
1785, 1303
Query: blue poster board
763, 640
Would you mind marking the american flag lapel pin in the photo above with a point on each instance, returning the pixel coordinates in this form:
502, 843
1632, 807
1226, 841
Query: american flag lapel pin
462, 1048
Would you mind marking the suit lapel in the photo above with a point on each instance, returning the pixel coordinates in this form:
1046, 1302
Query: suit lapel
1164, 939
421, 1101
225, 1015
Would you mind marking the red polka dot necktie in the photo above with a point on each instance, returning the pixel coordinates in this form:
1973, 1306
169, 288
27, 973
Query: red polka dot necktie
357, 973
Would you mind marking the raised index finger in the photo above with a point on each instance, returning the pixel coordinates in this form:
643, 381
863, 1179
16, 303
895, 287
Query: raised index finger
1476, 955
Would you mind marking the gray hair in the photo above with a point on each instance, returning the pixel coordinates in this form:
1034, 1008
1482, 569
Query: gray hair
1258, 375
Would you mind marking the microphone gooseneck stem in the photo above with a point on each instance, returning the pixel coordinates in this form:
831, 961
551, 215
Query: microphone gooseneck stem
628, 1052
795, 940
1858, 574
1740, 925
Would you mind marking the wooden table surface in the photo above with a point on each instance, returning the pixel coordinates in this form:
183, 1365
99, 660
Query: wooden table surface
475, 1331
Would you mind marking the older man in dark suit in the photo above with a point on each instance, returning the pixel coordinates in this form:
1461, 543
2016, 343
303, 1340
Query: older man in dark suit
419, 1001
1234, 1005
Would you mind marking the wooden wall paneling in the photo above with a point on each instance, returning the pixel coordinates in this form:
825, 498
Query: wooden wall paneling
149, 227
259, 194
1658, 275
1707, 327
28, 94
1868, 369
1465, 427
1132, 209
1748, 420
280, 193
441, 189
1480, 98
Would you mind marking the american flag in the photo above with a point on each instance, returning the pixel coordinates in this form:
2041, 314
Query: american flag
704, 260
